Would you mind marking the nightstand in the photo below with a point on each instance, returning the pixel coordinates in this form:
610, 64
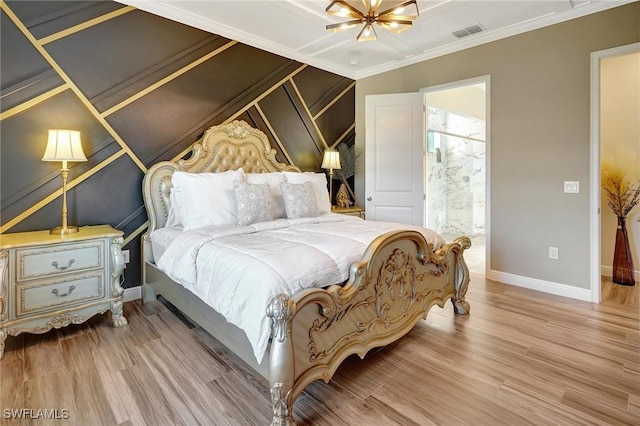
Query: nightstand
351, 211
51, 281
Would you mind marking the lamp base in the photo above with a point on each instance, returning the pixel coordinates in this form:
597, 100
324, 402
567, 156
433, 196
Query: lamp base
64, 231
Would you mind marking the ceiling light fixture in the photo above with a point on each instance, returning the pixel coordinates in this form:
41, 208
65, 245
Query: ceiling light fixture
395, 19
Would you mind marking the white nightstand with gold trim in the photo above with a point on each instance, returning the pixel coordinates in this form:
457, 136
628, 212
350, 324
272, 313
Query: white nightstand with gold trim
351, 211
51, 281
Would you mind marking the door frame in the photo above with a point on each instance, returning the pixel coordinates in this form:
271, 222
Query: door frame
486, 79
594, 198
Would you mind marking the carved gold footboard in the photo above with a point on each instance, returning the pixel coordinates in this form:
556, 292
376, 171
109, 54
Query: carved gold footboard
394, 285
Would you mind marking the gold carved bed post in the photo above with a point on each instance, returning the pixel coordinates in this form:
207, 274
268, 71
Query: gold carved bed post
398, 280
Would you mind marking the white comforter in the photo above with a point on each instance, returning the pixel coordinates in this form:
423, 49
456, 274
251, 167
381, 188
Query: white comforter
238, 270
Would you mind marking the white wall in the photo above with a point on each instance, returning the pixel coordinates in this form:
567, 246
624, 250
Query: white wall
620, 144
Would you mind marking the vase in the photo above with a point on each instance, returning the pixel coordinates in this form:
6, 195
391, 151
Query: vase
622, 258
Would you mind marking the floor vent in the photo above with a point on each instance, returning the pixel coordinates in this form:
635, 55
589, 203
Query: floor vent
473, 29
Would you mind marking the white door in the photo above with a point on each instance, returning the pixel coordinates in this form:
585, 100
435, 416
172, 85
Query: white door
394, 158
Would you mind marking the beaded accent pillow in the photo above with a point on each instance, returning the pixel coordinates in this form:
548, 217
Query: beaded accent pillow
253, 201
299, 200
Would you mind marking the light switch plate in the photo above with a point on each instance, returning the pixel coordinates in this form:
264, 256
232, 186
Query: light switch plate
571, 187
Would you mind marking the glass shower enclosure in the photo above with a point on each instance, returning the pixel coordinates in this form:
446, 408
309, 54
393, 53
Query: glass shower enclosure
456, 173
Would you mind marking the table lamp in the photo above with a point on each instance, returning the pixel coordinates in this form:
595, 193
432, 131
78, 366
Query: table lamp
331, 161
64, 145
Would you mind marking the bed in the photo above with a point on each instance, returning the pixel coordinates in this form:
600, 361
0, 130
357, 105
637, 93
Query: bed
328, 306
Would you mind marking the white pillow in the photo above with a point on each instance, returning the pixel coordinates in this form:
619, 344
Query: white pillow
253, 201
174, 217
206, 198
299, 200
319, 182
274, 180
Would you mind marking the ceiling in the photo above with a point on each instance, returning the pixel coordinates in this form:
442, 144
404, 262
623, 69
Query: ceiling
296, 28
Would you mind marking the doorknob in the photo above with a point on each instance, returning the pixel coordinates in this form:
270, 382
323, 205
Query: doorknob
369, 198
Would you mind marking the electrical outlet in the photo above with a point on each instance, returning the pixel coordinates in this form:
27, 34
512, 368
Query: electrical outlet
553, 253
571, 187
125, 255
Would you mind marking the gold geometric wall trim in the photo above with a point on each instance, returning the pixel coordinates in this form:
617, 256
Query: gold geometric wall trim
330, 104
95, 21
164, 61
32, 102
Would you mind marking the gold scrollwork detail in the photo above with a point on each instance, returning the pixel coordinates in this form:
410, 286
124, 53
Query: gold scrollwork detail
396, 289
238, 129
59, 321
281, 310
64, 320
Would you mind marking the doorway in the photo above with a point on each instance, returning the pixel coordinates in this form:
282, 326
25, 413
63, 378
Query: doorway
615, 143
456, 166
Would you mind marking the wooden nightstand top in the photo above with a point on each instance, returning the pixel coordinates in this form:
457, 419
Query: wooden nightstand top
352, 211
44, 237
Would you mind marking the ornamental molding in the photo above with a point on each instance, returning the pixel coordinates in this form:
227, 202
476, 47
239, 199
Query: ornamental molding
399, 290
59, 321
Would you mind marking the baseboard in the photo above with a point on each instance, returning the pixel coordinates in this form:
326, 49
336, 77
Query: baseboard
607, 271
132, 293
541, 285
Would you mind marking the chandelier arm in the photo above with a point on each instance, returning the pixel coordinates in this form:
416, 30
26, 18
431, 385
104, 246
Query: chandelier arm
339, 25
397, 18
394, 21
354, 12
362, 36
405, 4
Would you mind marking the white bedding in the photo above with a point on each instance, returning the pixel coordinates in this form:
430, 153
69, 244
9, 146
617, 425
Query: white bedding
238, 270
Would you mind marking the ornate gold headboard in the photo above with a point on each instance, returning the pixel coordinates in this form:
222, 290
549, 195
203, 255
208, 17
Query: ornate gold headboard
225, 147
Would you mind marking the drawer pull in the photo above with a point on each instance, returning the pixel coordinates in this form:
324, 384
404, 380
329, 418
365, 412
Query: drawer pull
71, 288
62, 268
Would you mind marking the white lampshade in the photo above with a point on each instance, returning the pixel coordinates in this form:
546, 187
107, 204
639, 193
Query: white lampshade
331, 160
64, 145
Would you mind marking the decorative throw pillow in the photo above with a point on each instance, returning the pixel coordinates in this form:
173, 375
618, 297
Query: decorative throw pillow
206, 199
253, 201
319, 182
299, 200
274, 179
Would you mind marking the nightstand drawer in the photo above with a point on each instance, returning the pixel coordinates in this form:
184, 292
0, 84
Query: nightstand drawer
47, 295
63, 258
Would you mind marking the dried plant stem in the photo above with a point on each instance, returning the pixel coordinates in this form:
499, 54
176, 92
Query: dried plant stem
622, 196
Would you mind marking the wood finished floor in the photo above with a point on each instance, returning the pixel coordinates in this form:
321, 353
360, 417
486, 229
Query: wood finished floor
520, 358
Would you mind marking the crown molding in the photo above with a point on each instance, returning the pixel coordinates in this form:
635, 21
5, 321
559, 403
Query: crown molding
167, 10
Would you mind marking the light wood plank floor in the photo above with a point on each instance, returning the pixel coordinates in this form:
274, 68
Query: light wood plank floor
520, 358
